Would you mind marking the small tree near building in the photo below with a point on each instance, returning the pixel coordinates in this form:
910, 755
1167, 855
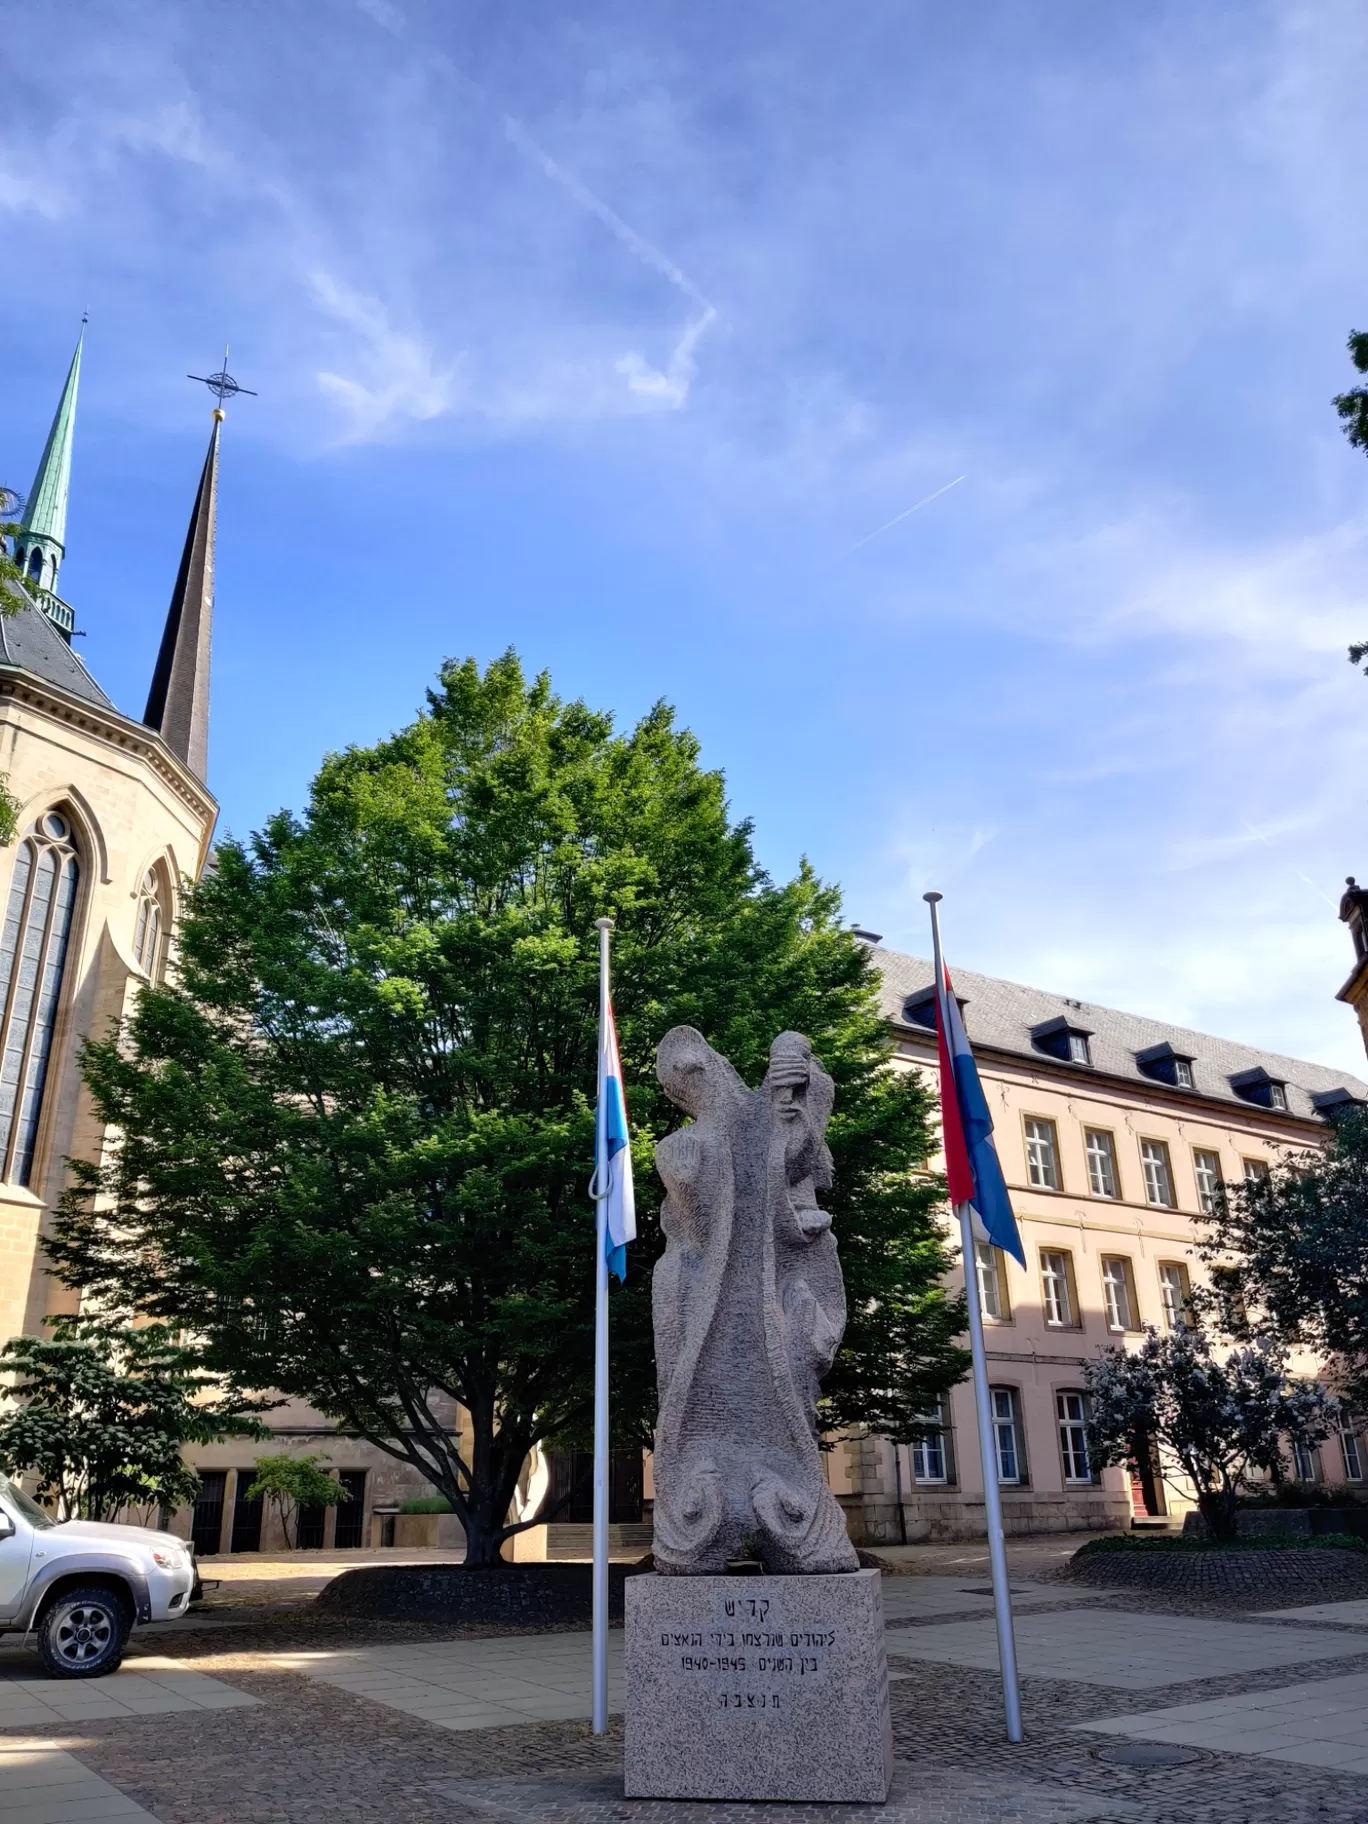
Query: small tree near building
290, 1484
1293, 1247
1218, 1421
101, 1411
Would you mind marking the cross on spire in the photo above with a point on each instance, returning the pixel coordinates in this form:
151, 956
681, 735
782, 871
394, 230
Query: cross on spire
222, 384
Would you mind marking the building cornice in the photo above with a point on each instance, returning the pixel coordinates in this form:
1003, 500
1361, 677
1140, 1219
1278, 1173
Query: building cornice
116, 730
1356, 988
1084, 1078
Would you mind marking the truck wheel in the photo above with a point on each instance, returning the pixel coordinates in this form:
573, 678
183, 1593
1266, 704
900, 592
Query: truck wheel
82, 1633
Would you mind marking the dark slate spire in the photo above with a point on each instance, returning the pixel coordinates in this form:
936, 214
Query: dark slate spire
178, 703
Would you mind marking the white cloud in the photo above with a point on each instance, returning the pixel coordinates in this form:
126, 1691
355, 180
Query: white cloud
668, 387
402, 381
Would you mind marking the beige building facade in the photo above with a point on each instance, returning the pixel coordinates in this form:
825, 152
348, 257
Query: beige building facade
1115, 1134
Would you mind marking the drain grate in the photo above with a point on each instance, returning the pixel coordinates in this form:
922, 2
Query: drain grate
1146, 1754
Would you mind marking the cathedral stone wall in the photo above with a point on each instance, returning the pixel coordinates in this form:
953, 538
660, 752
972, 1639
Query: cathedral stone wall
132, 808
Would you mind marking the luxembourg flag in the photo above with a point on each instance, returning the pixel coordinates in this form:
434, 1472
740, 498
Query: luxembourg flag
613, 1166
971, 1162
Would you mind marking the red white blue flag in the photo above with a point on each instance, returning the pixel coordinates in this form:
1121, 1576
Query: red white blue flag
972, 1170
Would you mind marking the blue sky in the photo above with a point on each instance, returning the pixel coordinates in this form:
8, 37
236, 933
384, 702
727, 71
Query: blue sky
618, 335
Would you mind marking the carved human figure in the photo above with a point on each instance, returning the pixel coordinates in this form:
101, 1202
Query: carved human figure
749, 1309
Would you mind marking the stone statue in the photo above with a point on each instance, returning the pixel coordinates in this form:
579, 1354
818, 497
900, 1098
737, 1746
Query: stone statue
749, 1310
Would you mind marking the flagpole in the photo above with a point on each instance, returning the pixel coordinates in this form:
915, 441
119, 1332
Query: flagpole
992, 1494
600, 1587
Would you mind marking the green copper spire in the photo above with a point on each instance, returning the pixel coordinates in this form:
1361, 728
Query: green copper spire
41, 543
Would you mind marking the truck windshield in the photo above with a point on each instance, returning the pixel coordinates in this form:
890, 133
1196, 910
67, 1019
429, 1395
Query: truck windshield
21, 1503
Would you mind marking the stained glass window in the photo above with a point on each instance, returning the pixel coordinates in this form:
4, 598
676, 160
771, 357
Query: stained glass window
33, 950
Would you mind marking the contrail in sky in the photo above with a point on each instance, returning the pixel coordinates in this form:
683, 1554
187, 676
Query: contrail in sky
1318, 891
638, 244
899, 517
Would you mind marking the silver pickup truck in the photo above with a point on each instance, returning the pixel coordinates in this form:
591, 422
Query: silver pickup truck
81, 1586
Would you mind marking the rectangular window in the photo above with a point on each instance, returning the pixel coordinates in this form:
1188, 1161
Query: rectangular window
1056, 1291
1071, 1410
932, 1457
1277, 1096
1351, 1450
1007, 1434
1078, 1048
1174, 1290
1306, 1462
1154, 1157
1042, 1154
1210, 1185
1182, 1073
992, 1281
1101, 1147
1117, 1294
1255, 1170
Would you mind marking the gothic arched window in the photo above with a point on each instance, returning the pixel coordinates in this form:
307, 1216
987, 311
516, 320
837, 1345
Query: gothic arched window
33, 950
35, 562
149, 934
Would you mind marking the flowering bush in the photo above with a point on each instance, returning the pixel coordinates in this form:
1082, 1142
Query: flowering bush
1218, 1421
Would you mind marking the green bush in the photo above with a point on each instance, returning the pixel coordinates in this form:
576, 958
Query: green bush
426, 1504
1304, 1494
1187, 1542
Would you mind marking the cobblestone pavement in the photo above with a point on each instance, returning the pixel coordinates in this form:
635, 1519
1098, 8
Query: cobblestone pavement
307, 1753
926, 1796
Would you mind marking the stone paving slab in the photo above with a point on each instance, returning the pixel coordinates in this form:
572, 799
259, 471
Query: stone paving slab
1125, 1650
40, 1784
144, 1685
1321, 1724
908, 1598
472, 1684
1346, 1614
920, 1796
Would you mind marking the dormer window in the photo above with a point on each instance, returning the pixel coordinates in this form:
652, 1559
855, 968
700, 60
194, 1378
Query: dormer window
1260, 1087
1330, 1104
1063, 1039
1165, 1065
919, 1009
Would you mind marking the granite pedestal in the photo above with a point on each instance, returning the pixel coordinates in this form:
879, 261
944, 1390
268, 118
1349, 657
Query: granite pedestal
757, 1688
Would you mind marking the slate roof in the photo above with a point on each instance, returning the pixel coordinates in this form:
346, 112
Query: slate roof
29, 641
1000, 1015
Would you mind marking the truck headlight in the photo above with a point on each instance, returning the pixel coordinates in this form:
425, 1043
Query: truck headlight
169, 1561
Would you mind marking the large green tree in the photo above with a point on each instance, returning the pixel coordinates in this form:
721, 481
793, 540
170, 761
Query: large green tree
356, 1126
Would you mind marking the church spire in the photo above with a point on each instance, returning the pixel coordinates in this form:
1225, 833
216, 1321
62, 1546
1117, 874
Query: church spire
178, 702
41, 543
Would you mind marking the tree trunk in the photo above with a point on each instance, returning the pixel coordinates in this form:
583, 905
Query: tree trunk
1219, 1508
483, 1544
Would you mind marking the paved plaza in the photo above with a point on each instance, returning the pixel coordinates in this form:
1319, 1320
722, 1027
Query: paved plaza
283, 1716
